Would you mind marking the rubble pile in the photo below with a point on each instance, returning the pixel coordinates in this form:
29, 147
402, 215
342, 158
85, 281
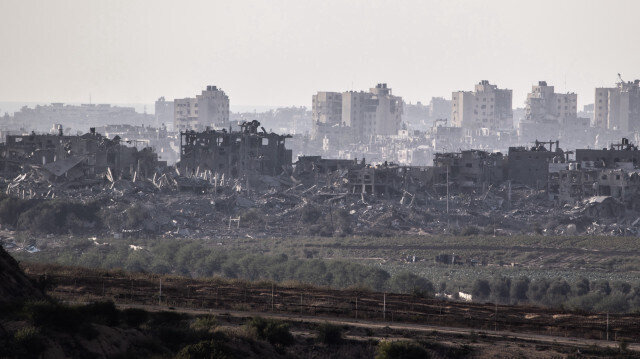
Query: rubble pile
242, 183
208, 205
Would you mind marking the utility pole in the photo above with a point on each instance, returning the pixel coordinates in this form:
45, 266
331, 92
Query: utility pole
160, 296
384, 306
448, 219
509, 194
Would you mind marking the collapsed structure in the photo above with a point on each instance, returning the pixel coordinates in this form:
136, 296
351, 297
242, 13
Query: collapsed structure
59, 157
230, 171
235, 154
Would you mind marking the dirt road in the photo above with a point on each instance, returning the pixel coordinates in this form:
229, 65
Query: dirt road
500, 334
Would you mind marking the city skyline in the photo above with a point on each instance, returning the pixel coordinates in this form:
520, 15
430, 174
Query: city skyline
281, 53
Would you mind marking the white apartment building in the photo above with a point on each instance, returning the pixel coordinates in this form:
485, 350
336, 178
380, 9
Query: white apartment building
486, 107
618, 108
326, 112
363, 114
546, 106
209, 109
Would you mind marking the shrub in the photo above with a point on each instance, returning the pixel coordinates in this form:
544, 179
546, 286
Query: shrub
135, 216
406, 282
481, 289
205, 350
134, 317
310, 214
208, 322
10, 210
500, 289
100, 312
168, 318
56, 216
343, 221
329, 334
251, 217
28, 338
401, 350
273, 331
174, 337
64, 318
470, 231
582, 286
615, 303
519, 289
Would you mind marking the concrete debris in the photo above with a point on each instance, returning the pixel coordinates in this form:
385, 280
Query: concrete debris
243, 183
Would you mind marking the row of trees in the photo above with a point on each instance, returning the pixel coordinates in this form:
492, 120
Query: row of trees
193, 258
600, 296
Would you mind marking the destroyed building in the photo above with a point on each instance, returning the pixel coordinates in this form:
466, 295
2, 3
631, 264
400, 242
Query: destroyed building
324, 165
471, 169
530, 166
545, 105
550, 112
234, 154
617, 153
388, 179
576, 184
68, 158
162, 141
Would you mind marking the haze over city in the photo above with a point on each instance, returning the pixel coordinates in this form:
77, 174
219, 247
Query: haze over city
277, 53
322, 179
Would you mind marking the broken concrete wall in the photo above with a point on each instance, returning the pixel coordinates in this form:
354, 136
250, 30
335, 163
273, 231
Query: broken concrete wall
235, 154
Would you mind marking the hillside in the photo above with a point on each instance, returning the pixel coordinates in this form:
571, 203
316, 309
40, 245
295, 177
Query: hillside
14, 284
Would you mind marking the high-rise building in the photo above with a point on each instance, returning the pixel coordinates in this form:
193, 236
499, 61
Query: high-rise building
209, 109
618, 108
213, 108
185, 114
486, 107
366, 114
164, 112
372, 113
439, 108
326, 111
546, 106
326, 108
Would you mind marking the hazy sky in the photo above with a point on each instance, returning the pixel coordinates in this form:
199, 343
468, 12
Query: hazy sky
281, 52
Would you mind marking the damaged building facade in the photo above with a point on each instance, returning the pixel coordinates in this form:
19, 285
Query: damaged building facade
549, 112
236, 154
470, 169
530, 166
388, 179
72, 158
